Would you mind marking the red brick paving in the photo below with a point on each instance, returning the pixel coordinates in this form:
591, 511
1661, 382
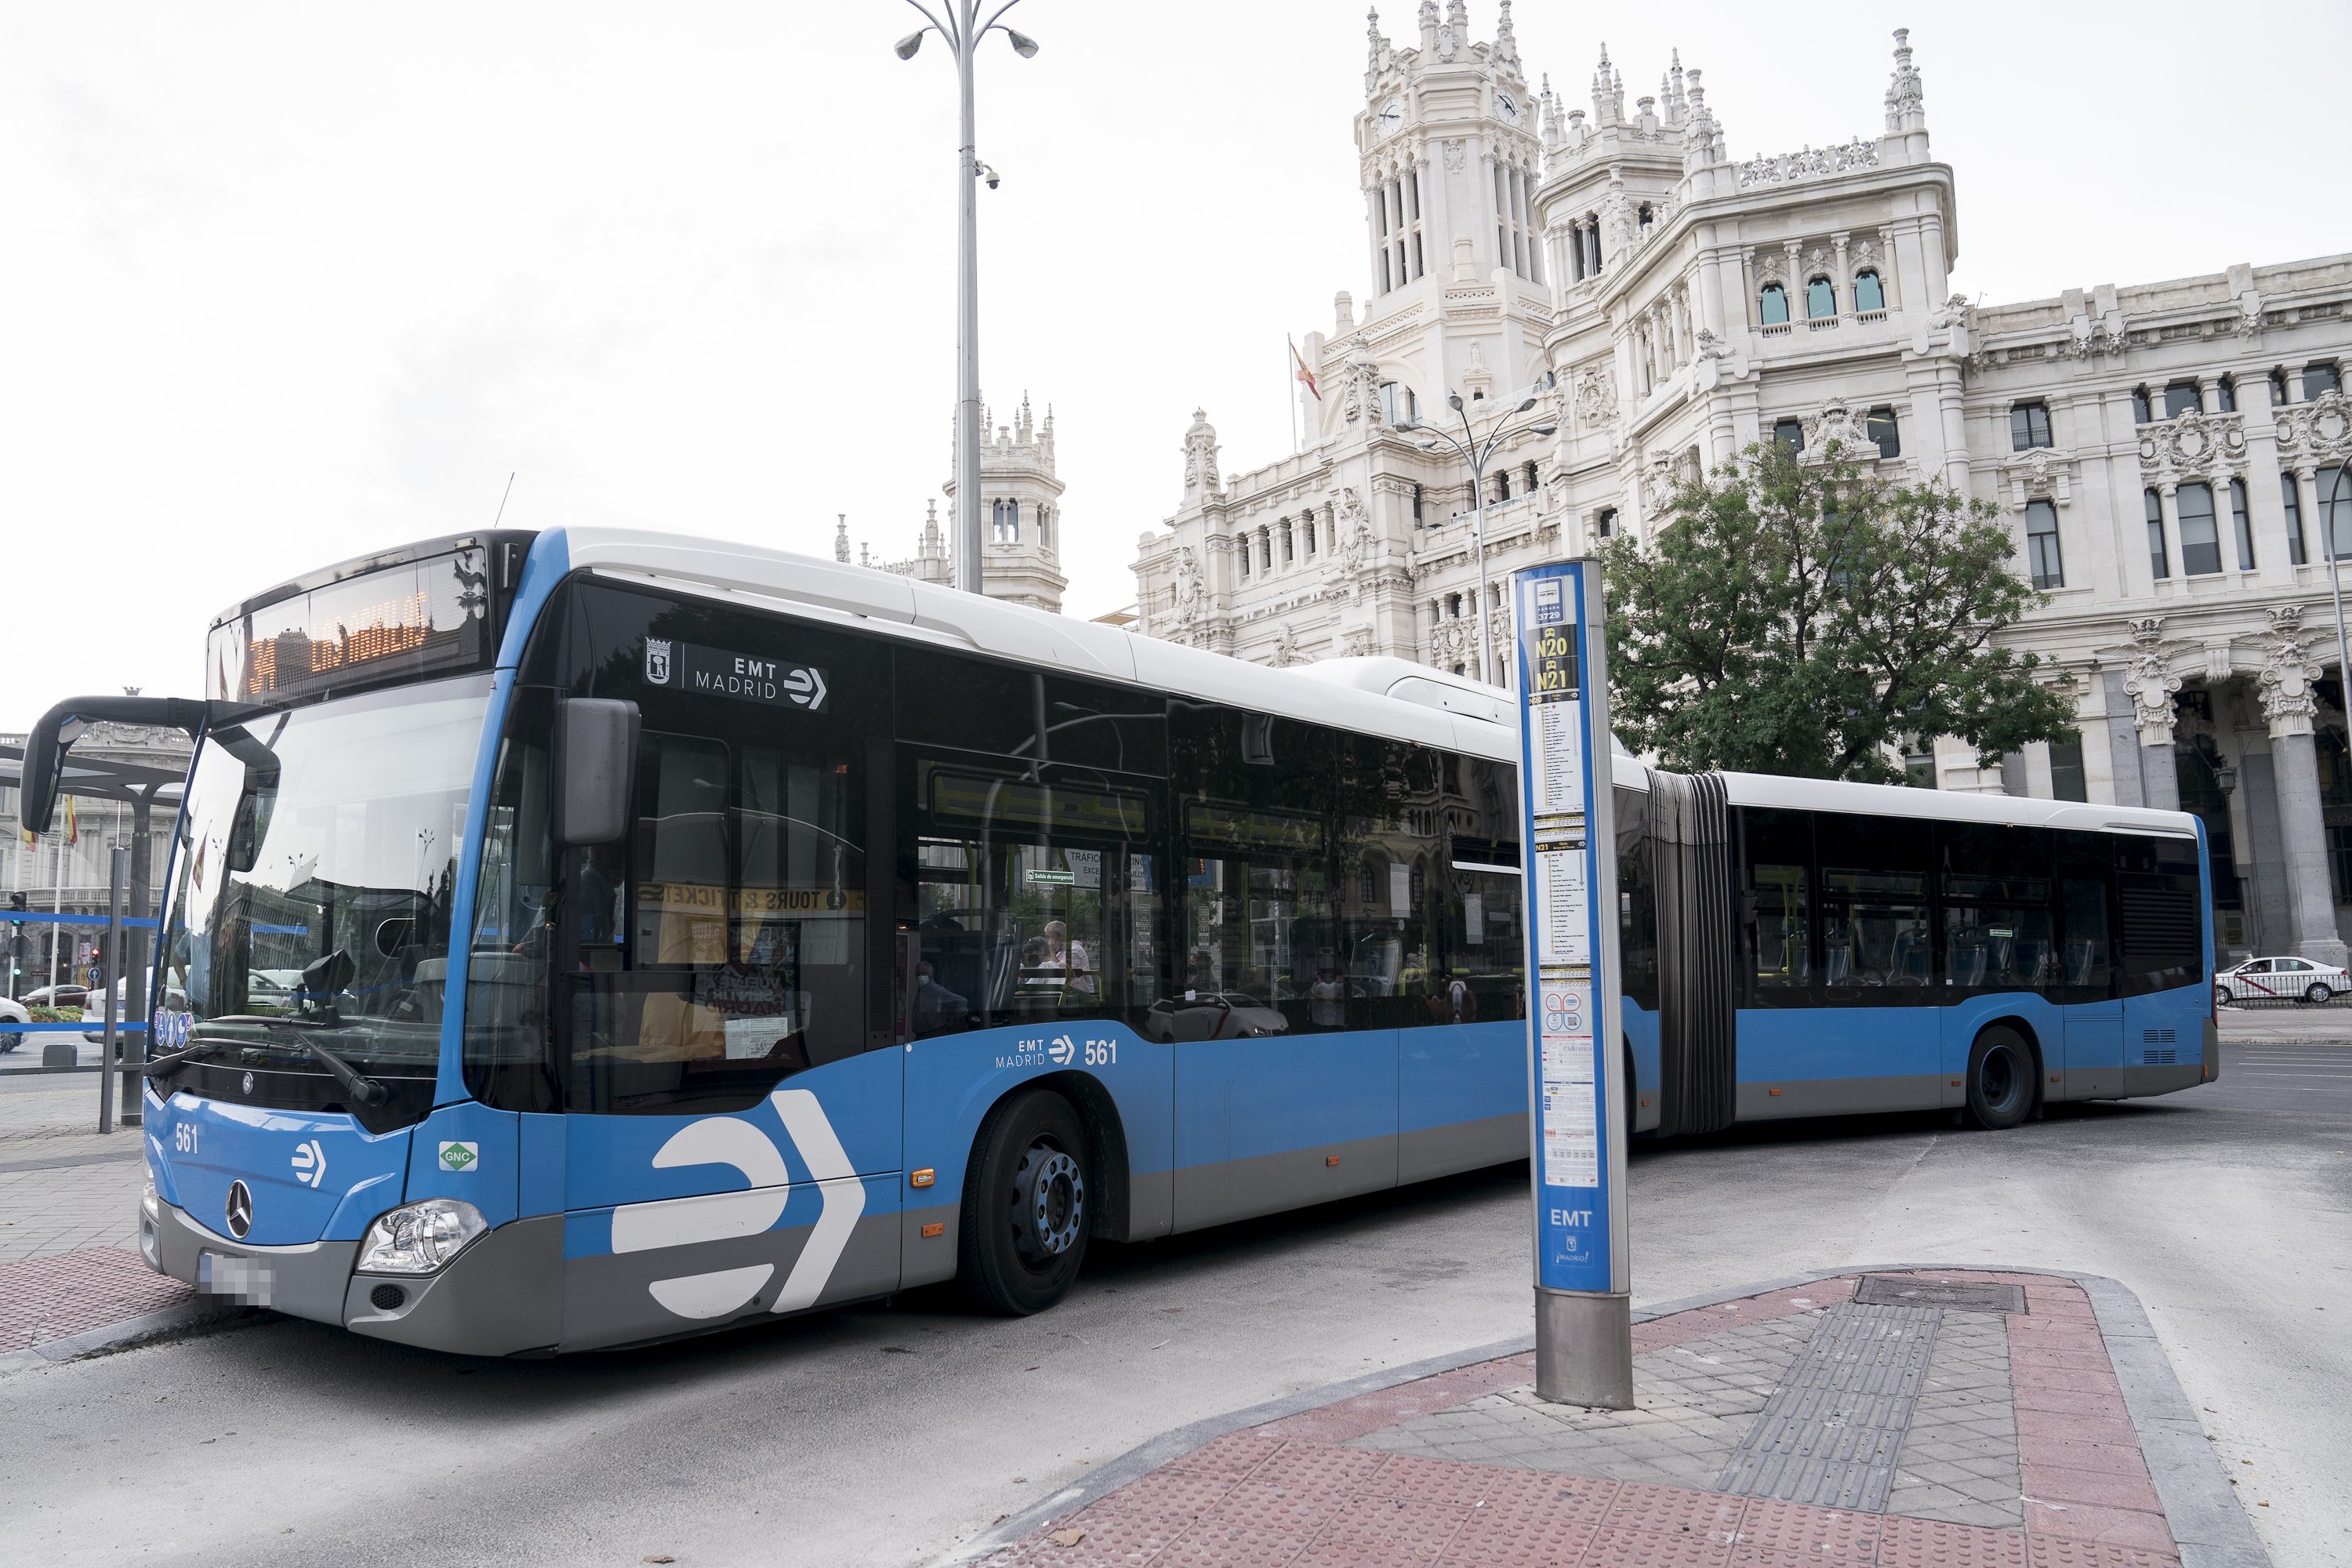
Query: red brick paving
45, 1299
1287, 1495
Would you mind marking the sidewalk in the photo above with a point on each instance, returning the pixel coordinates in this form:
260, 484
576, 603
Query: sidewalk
1959, 1419
70, 1273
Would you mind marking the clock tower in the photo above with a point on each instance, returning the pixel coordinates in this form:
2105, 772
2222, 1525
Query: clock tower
1449, 158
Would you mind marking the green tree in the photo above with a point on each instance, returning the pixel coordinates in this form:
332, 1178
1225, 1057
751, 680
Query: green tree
1798, 616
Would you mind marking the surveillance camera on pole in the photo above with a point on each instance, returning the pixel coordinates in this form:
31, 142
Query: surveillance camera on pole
959, 23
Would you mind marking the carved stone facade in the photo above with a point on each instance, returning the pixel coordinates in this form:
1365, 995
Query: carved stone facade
2163, 446
1020, 518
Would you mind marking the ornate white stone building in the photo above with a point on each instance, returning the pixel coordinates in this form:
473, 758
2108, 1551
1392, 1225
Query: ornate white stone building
1019, 519
2163, 451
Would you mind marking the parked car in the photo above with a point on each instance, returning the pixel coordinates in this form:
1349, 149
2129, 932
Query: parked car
60, 995
93, 1010
2284, 979
1211, 1016
12, 1013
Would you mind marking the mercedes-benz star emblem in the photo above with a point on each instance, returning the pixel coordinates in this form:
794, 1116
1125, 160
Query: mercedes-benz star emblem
248, 1083
240, 1210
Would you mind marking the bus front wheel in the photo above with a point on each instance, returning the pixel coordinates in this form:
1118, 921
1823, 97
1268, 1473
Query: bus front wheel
2001, 1080
1024, 1206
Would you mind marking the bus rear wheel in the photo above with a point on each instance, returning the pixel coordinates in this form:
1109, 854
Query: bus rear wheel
1025, 1214
2001, 1080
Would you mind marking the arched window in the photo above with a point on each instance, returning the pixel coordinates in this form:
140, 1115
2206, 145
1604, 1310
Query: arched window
1265, 548
1004, 522
1868, 295
1530, 477
1502, 486
1646, 216
2225, 395
1772, 304
1045, 526
1821, 301
1246, 555
2143, 410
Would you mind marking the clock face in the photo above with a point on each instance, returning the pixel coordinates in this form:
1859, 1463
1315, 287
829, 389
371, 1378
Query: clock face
1390, 116
1509, 107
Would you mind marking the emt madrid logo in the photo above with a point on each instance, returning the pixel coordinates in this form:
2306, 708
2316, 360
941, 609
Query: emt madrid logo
460, 1156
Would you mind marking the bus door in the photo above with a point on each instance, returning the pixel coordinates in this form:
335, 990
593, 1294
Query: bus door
1029, 943
734, 1141
1294, 969
2093, 1062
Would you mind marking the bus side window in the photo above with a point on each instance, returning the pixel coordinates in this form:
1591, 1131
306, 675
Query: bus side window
1637, 901
1995, 891
1778, 852
2088, 968
2161, 893
1875, 945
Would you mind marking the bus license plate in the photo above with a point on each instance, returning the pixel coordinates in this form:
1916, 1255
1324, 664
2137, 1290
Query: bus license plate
247, 1280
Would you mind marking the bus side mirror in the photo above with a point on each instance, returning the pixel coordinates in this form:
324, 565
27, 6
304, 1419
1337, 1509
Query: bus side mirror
595, 768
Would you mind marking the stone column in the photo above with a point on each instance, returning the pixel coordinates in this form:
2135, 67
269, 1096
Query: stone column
2289, 705
2123, 744
2149, 680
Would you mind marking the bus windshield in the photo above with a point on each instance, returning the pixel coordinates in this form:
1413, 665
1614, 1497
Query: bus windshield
312, 882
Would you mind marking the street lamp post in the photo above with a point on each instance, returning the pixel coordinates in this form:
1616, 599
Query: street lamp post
1474, 452
963, 28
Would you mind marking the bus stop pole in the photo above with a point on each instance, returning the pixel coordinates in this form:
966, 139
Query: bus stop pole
1577, 1088
109, 969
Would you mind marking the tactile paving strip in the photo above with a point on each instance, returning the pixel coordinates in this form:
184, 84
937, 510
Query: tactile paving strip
1831, 1432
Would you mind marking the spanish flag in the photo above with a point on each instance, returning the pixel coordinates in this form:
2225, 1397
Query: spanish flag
1298, 368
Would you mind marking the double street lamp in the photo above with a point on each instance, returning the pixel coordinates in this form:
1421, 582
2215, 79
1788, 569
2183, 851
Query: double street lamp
1475, 451
959, 21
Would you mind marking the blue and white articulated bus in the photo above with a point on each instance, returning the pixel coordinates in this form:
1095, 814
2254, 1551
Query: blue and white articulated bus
586, 938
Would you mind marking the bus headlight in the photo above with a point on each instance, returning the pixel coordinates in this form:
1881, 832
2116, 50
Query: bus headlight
419, 1237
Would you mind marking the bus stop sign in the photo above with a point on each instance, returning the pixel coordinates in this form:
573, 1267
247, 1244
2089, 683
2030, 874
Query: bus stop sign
1584, 1348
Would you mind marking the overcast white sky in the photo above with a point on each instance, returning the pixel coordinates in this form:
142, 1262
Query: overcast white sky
286, 283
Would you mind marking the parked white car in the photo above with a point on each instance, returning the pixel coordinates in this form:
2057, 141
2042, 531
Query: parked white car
12, 1012
2282, 979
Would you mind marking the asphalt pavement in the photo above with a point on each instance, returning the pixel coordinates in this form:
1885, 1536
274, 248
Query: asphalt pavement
889, 1435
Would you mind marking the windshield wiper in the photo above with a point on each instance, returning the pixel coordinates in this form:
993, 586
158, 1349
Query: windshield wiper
356, 1084
166, 1066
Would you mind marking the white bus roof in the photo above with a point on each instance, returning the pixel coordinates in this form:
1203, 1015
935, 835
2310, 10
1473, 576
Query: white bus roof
1379, 696
1432, 708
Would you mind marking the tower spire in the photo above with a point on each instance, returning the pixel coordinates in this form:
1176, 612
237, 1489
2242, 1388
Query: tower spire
1906, 104
1506, 42
841, 536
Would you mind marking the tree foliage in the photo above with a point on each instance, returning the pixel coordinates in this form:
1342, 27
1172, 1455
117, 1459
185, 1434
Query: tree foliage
1799, 616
